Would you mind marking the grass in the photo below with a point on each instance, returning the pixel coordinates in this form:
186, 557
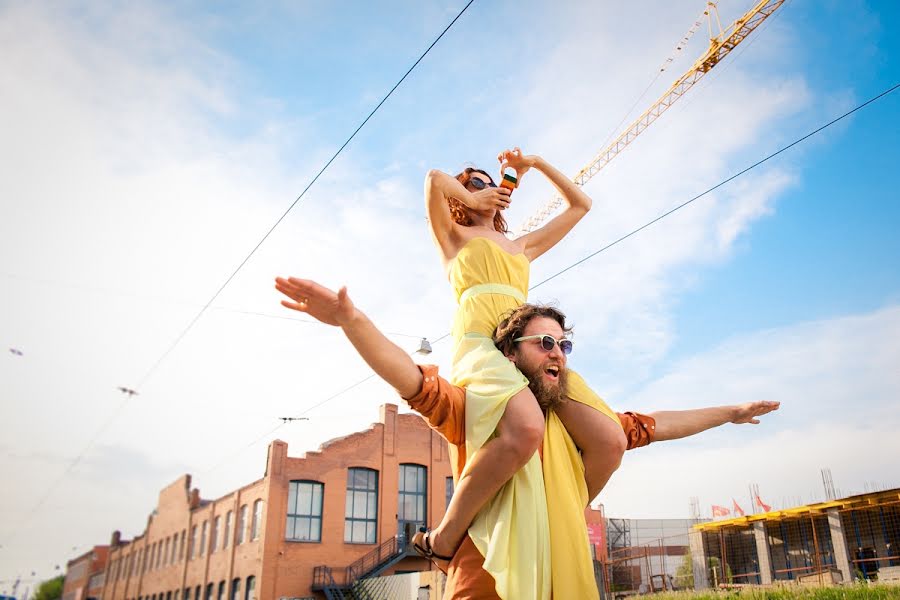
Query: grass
856, 592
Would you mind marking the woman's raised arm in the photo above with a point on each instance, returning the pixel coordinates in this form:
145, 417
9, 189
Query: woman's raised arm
577, 202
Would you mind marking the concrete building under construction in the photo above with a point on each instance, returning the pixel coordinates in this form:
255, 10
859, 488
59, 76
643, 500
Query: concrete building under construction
853, 538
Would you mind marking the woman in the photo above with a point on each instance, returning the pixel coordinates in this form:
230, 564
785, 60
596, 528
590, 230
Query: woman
501, 497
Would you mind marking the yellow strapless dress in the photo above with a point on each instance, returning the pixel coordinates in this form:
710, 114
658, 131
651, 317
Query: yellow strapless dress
529, 554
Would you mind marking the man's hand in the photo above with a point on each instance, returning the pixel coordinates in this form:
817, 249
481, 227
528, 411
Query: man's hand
747, 413
317, 301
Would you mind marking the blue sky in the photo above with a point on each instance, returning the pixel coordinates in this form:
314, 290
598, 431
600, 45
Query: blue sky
146, 150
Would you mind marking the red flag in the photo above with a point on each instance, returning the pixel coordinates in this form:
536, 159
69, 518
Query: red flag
737, 509
762, 504
719, 511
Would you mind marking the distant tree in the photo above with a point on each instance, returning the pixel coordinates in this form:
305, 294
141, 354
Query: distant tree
684, 575
50, 589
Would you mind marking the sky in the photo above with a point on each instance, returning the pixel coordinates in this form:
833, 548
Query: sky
146, 150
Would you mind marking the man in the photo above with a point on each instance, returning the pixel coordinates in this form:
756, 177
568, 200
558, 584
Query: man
533, 338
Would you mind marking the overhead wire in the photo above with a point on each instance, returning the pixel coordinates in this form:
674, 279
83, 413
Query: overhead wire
114, 416
660, 217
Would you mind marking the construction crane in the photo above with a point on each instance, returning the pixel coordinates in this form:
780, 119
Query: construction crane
719, 47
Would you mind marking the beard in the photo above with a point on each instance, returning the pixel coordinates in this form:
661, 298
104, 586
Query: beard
549, 395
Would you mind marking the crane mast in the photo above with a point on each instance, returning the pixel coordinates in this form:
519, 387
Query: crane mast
719, 47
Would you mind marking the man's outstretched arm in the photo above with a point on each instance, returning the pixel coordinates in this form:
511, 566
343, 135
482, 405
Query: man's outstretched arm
387, 359
676, 424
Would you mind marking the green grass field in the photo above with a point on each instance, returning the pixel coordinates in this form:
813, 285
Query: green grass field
861, 592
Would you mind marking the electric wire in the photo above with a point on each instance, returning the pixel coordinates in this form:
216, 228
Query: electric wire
297, 200
114, 416
659, 218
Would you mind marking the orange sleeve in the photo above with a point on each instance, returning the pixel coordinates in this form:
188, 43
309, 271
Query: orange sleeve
443, 405
640, 430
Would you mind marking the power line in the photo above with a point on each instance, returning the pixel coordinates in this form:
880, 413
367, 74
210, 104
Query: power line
205, 307
717, 186
300, 197
657, 219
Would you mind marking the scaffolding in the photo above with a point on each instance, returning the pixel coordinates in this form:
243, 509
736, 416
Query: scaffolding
844, 540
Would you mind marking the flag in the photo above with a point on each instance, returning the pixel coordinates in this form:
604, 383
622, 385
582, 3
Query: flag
719, 511
762, 504
737, 509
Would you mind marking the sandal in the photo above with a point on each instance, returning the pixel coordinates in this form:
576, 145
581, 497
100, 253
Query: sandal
422, 545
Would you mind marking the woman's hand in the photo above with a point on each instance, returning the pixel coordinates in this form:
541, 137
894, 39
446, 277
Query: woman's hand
490, 198
514, 159
316, 300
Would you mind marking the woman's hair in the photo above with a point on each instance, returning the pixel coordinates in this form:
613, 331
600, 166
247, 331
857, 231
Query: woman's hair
513, 325
460, 213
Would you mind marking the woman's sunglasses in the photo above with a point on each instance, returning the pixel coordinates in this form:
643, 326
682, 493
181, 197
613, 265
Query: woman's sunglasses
480, 184
548, 341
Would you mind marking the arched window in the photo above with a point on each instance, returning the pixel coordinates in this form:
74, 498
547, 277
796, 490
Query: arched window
241, 529
250, 592
256, 520
214, 536
412, 500
236, 588
304, 511
227, 535
221, 594
361, 514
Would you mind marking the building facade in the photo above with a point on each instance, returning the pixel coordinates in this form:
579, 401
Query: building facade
85, 575
839, 541
349, 501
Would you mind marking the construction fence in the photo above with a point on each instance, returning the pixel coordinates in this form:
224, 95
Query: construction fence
842, 541
836, 543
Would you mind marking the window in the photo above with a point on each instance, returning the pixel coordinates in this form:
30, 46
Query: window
448, 491
227, 535
361, 515
181, 548
241, 525
250, 594
411, 503
221, 595
304, 511
197, 592
236, 589
192, 549
209, 591
165, 559
203, 538
214, 537
174, 551
187, 593
256, 521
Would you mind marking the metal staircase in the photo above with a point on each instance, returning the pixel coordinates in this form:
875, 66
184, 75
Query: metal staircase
348, 583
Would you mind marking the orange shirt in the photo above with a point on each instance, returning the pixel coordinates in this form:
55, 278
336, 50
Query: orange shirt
444, 407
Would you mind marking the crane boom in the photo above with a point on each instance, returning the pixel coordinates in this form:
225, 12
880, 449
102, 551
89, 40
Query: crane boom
719, 47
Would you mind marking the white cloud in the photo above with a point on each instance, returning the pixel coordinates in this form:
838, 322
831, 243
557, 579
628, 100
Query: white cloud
143, 170
838, 384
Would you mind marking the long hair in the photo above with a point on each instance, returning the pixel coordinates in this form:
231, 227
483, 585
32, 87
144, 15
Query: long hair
514, 323
459, 212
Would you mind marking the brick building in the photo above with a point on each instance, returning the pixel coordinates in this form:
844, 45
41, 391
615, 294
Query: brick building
84, 575
345, 502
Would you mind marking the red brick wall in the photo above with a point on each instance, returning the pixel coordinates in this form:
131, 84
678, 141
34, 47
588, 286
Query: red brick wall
281, 568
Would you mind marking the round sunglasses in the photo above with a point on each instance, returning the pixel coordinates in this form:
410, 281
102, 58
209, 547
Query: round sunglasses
548, 341
480, 184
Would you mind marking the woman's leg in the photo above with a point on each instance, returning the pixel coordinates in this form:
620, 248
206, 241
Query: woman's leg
519, 434
600, 439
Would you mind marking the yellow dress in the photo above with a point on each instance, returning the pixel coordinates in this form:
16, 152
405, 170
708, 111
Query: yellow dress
529, 554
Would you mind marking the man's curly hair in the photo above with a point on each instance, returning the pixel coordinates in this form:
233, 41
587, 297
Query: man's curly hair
514, 323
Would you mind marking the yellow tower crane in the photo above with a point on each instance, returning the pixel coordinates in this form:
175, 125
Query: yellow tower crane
719, 47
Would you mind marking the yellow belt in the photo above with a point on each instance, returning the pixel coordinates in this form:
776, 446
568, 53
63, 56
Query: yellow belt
492, 288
